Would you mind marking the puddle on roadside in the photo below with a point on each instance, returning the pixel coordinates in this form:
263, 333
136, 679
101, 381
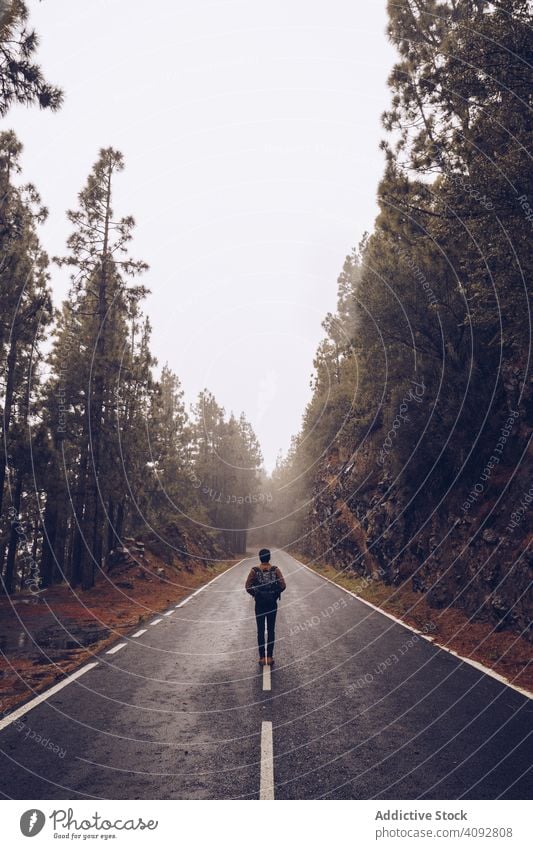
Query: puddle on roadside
14, 642
70, 636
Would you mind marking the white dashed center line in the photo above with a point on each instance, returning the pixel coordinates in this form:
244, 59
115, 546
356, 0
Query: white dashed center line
170, 612
266, 784
267, 681
156, 621
138, 633
115, 649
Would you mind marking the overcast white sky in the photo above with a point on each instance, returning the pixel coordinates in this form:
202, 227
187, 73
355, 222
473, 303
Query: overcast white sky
250, 132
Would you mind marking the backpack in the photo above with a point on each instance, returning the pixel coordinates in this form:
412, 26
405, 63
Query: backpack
266, 588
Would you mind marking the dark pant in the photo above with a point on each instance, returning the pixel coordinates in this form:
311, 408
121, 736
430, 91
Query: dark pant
268, 616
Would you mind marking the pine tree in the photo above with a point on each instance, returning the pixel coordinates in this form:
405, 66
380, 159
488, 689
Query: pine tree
461, 113
172, 496
98, 253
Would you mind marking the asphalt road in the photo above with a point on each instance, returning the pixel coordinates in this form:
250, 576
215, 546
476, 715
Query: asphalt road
359, 708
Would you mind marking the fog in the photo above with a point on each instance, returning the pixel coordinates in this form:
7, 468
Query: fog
250, 134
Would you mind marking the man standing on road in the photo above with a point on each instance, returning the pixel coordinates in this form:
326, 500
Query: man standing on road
265, 583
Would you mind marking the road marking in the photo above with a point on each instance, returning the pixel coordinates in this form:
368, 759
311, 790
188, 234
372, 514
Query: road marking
424, 636
267, 681
266, 782
115, 649
44, 696
156, 622
169, 613
138, 633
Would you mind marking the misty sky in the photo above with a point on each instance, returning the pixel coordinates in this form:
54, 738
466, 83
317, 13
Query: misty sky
250, 132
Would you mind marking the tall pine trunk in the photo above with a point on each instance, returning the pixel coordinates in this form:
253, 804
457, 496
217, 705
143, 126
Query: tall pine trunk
78, 552
8, 405
94, 523
50, 523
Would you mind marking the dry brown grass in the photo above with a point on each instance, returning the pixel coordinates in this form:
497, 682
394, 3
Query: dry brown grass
25, 673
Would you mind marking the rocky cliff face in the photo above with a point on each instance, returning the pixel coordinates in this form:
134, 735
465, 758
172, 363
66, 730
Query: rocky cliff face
190, 546
471, 551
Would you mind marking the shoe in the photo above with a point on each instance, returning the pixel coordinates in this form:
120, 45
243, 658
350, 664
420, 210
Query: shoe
270, 661
262, 661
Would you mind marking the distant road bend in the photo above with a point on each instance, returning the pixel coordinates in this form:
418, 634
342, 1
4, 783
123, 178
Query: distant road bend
181, 710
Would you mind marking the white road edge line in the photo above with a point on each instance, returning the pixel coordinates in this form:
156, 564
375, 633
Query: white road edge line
156, 622
115, 649
138, 633
425, 637
42, 697
267, 681
266, 781
212, 581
